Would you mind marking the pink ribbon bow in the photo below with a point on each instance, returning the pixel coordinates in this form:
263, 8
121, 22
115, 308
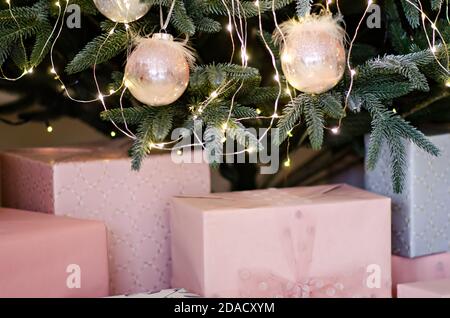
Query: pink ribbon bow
299, 254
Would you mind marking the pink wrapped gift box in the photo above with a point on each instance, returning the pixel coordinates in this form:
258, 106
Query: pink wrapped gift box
50, 256
324, 241
97, 183
425, 268
427, 289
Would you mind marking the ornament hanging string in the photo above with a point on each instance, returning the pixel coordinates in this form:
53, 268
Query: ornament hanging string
242, 35
165, 24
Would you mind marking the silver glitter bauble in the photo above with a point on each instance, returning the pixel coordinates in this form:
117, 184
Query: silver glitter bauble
313, 53
157, 71
123, 11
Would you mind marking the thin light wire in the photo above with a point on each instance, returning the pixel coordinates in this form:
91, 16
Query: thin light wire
4, 77
431, 46
349, 66
274, 64
230, 30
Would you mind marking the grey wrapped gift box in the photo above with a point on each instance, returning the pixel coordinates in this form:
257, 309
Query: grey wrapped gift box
421, 214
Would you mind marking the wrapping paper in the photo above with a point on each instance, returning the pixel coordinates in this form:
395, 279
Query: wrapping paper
166, 293
39, 254
302, 242
97, 183
426, 289
420, 219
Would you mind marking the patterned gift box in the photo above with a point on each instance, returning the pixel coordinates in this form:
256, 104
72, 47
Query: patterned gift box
166, 293
51, 256
325, 241
427, 289
97, 183
425, 268
421, 214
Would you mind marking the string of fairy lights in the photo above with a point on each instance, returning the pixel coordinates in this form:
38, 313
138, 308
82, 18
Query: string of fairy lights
238, 34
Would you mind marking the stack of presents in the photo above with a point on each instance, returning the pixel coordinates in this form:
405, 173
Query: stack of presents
77, 222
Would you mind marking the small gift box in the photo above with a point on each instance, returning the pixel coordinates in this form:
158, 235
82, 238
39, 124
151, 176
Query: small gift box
324, 241
166, 293
420, 218
51, 256
98, 183
425, 268
426, 289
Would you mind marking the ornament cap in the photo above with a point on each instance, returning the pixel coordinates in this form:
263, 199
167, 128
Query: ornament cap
162, 36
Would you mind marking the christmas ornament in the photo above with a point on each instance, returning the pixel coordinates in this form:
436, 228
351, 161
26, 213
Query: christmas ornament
123, 11
157, 71
312, 52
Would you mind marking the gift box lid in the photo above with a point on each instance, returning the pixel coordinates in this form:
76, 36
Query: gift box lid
23, 224
327, 194
90, 152
40, 252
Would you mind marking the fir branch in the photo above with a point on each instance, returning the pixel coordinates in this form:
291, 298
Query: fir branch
132, 115
398, 126
247, 8
5, 50
181, 21
393, 129
398, 161
207, 25
215, 114
399, 38
243, 136
22, 22
262, 95
213, 144
19, 13
314, 118
87, 6
101, 49
400, 65
375, 142
42, 44
159, 120
384, 87
206, 78
303, 7
162, 123
12, 34
141, 145
244, 112
331, 104
266, 38
436, 4
411, 13
19, 57
291, 116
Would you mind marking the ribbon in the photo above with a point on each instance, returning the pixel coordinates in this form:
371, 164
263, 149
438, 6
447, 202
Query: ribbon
299, 254
298, 241
279, 197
